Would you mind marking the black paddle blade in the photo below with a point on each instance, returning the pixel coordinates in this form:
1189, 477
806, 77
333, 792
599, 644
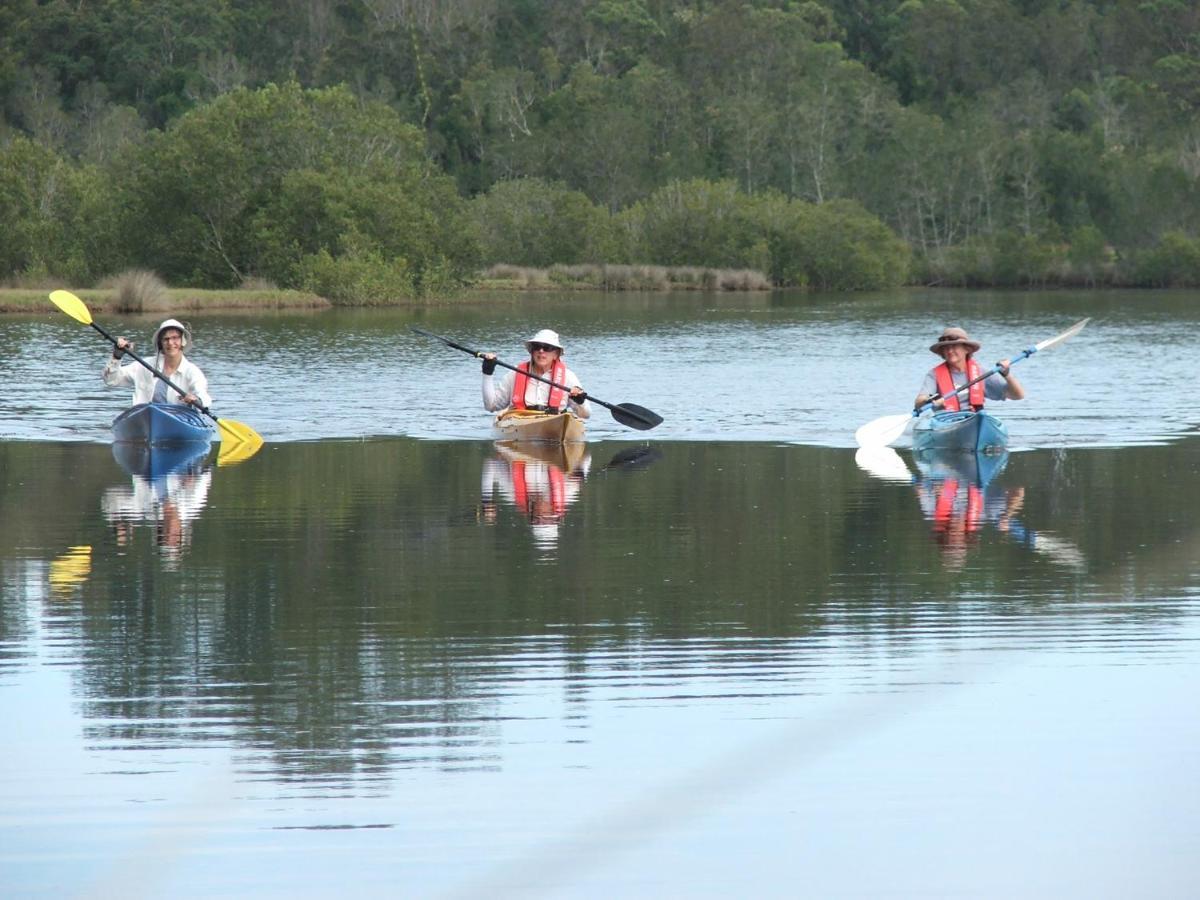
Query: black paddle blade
636, 416
633, 458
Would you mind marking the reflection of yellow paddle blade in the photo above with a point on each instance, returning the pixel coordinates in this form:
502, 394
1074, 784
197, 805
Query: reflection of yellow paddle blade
234, 451
70, 569
239, 432
72, 306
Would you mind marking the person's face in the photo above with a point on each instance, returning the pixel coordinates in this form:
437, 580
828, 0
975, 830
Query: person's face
956, 355
171, 342
543, 355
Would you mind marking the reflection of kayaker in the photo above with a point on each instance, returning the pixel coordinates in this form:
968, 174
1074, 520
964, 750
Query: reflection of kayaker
169, 503
540, 488
961, 424
160, 460
958, 508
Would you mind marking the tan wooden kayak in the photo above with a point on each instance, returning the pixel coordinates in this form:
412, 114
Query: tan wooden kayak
534, 425
567, 456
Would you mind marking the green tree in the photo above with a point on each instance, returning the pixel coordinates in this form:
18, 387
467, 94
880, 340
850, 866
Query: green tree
530, 222
194, 193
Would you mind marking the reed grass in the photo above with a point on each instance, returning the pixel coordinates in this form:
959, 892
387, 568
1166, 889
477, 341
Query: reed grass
137, 290
592, 277
107, 301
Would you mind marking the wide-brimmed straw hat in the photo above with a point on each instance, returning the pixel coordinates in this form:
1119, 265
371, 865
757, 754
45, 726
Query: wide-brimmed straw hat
178, 326
952, 336
547, 337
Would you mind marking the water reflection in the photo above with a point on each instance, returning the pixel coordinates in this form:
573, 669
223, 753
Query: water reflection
69, 571
540, 480
169, 490
958, 498
345, 646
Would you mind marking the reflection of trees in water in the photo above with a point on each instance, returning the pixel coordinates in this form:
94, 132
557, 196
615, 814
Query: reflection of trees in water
342, 613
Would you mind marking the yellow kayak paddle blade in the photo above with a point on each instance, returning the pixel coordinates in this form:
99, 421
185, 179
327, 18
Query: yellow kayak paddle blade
239, 442
72, 306
69, 570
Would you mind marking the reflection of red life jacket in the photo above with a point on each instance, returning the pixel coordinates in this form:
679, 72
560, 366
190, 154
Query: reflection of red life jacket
557, 395
943, 510
945, 386
558, 489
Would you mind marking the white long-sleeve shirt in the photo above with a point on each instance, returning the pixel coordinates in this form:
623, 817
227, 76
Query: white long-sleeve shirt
188, 376
497, 392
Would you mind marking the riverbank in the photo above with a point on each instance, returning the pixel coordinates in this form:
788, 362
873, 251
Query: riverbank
173, 300
616, 278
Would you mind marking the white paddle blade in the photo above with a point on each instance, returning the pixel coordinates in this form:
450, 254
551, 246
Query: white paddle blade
883, 463
882, 431
1069, 333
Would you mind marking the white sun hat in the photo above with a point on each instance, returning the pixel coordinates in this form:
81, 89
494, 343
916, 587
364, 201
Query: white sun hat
178, 326
545, 336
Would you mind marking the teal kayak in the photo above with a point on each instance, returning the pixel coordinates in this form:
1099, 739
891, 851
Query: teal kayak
968, 432
162, 423
979, 469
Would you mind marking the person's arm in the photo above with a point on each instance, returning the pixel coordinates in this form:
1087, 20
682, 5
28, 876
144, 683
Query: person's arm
195, 384
577, 401
1004, 385
928, 389
115, 374
1015, 390
497, 389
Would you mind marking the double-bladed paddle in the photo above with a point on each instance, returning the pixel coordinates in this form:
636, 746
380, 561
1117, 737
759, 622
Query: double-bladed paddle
626, 413
884, 430
239, 441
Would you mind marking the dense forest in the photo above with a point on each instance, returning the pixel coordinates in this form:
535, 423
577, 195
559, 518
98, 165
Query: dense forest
367, 149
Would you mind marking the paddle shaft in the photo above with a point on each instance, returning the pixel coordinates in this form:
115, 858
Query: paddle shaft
112, 340
1024, 354
622, 410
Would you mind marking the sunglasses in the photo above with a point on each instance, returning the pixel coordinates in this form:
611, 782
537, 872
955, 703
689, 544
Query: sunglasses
535, 348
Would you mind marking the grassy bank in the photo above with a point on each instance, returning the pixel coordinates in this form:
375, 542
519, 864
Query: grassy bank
145, 294
104, 300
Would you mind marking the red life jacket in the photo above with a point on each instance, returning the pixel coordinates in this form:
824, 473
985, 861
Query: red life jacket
557, 399
945, 386
558, 490
943, 511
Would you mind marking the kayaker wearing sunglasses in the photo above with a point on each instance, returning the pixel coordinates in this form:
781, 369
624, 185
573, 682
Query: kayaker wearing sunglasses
959, 368
515, 390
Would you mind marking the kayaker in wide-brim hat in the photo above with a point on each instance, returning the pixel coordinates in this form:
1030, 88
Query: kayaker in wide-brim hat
169, 340
958, 370
951, 336
516, 390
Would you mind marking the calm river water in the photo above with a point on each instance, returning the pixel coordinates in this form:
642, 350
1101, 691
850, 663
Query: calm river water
731, 656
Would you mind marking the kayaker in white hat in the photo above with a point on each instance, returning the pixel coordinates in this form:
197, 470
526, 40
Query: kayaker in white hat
169, 340
960, 368
517, 391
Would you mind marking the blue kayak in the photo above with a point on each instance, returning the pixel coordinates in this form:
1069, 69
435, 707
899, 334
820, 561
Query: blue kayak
968, 432
160, 460
163, 423
954, 465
